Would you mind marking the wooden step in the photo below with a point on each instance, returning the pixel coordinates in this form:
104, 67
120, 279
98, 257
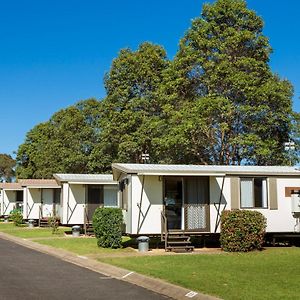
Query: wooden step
43, 222
180, 248
89, 229
176, 236
179, 242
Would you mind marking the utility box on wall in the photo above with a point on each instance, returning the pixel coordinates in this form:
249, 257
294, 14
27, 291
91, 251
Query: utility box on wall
295, 204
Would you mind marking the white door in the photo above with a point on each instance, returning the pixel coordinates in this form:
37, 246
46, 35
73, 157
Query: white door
47, 203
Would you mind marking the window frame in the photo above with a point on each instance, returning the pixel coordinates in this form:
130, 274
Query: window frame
253, 192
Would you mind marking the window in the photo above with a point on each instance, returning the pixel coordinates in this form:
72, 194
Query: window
19, 196
110, 196
95, 195
56, 196
254, 192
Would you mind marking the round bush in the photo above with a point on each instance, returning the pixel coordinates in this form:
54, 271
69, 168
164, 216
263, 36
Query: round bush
242, 230
107, 223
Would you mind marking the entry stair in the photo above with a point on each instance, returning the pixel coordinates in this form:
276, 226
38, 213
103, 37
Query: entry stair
89, 229
178, 242
43, 222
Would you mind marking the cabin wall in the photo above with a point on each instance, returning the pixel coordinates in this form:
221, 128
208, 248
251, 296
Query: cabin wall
278, 220
74, 198
215, 191
64, 202
25, 204
150, 196
73, 204
8, 201
1, 202
281, 219
33, 203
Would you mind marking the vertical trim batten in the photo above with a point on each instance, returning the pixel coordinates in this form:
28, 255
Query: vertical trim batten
234, 191
273, 193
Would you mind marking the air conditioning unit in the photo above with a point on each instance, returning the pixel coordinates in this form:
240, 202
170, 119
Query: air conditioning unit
295, 204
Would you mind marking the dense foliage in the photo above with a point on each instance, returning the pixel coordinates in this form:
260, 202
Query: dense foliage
107, 224
132, 106
221, 77
242, 230
7, 165
64, 144
216, 102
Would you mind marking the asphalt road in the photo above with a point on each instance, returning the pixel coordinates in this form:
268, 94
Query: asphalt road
28, 274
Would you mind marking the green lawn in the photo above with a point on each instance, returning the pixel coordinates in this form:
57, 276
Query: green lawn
270, 274
25, 232
81, 246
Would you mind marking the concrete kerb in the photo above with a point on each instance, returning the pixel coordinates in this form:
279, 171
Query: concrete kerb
156, 285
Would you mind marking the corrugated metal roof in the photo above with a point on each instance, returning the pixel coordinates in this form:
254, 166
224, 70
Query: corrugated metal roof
39, 183
85, 178
160, 169
10, 186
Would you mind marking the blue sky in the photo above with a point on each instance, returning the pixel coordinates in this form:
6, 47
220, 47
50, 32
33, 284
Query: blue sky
55, 53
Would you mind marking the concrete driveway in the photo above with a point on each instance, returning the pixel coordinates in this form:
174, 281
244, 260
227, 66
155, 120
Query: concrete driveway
28, 274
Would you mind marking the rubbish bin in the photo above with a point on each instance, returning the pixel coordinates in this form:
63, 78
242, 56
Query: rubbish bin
6, 219
143, 242
31, 223
76, 230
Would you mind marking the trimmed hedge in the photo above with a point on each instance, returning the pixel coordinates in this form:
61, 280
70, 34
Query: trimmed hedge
242, 230
107, 223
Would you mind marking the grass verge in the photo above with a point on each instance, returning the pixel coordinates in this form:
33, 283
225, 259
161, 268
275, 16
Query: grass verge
82, 246
270, 274
25, 232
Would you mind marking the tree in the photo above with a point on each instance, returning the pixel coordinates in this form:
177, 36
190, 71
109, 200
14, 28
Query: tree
222, 71
7, 165
216, 102
63, 144
293, 152
132, 106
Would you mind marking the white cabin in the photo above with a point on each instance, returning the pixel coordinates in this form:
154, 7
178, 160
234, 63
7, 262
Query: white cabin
191, 198
41, 198
11, 197
83, 193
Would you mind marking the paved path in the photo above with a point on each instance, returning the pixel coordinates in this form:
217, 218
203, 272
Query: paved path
28, 274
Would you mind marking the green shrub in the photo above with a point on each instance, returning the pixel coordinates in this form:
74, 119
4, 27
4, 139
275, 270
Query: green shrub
242, 230
16, 216
53, 222
107, 223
